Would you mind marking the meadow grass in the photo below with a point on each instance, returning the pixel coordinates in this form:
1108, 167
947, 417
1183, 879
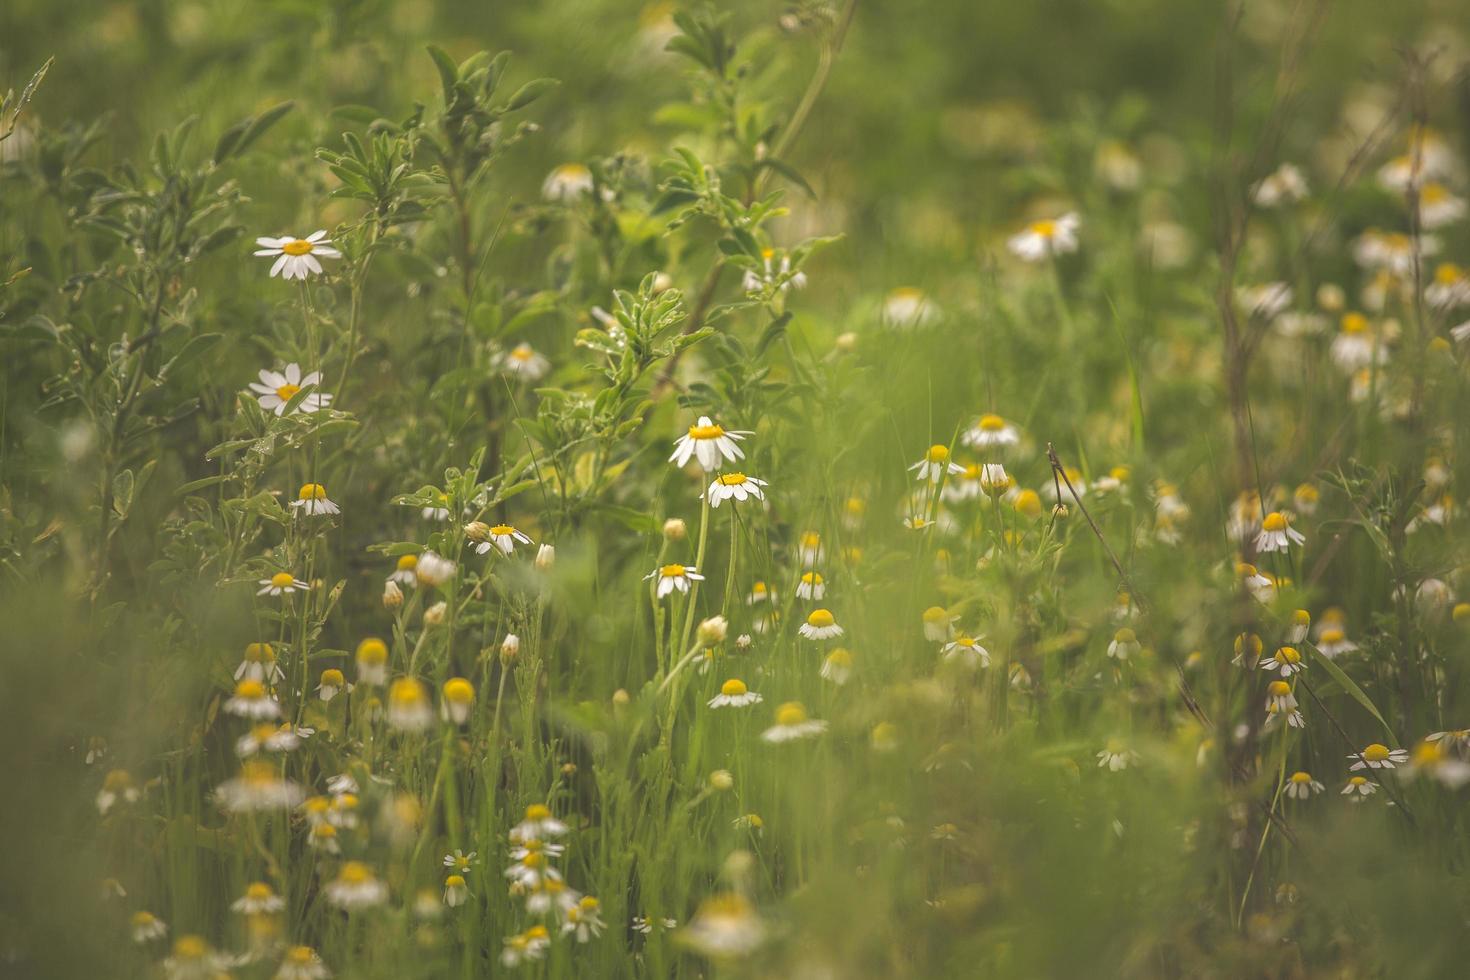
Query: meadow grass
814, 490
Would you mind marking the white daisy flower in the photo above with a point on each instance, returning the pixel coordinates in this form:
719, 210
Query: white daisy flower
709, 443
459, 862
938, 624
1378, 756
1359, 788
313, 502
645, 923
456, 892
1332, 641
1124, 644
281, 583
811, 585
1356, 347
538, 824
990, 431
266, 737
523, 362
1277, 534
994, 480
734, 694
431, 569
1301, 786
674, 576
525, 947
809, 550
302, 963
437, 512
259, 899
1281, 702
147, 927
567, 182
1285, 661
1393, 251
459, 698
408, 706
760, 592
276, 388
776, 274
1450, 288
735, 486
935, 464
259, 664
297, 256
193, 959
908, 307
584, 920
1116, 756
792, 723
356, 887
1438, 206
502, 537
258, 787
820, 625
1045, 239
967, 650
1285, 185
252, 700
837, 667
1457, 740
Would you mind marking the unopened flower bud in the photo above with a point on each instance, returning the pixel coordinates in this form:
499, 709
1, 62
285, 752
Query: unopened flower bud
712, 631
846, 343
1060, 511
509, 647
434, 615
675, 529
477, 530
721, 779
545, 558
620, 697
392, 595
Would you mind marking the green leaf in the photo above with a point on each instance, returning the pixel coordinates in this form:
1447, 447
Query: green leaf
448, 73
1351, 687
530, 92
122, 493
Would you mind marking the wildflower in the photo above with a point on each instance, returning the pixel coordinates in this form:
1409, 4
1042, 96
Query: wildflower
331, 684
1431, 759
408, 706
645, 923
837, 668
1115, 756
531, 868
1358, 788
935, 465
1457, 740
146, 927
193, 959
258, 787
938, 624
712, 632
809, 549
538, 824
820, 625
967, 650
1301, 786
1355, 346
674, 576
405, 571
567, 182
1245, 517
1305, 498
1043, 239
459, 861
1280, 701
509, 647
811, 586
1277, 534
456, 892
276, 388
258, 664
1286, 660
1265, 301
502, 537
297, 257
908, 307
675, 530
1392, 251
312, 501
259, 899
281, 583
522, 362
545, 558
302, 963
584, 920
724, 927
709, 443
759, 592
1124, 644
526, 947
735, 486
252, 700
553, 896
1378, 756
356, 887
372, 662
1285, 185
775, 274
431, 569
1438, 206
266, 737
994, 479
1449, 289
792, 723
1333, 641
438, 511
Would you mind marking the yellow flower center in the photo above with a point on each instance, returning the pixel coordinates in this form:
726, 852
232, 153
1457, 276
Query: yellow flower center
355, 873
938, 454
935, 614
1289, 655
733, 688
790, 713
301, 955
258, 891
1275, 521
1278, 689
1046, 229
1354, 323
298, 247
1358, 781
372, 651
454, 881
312, 491
407, 563
1125, 635
190, 948
1301, 777
671, 571
406, 692
538, 811
1301, 617
821, 618
282, 580
711, 431
1332, 636
284, 392
259, 653
841, 657
332, 677
522, 352
758, 588
502, 529
459, 691
811, 539
1376, 752
536, 932
992, 423
250, 690
812, 578
732, 479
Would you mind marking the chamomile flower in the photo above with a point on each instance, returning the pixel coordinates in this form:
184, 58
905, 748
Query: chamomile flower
709, 443
935, 464
538, 824
312, 501
502, 537
1285, 661
990, 431
1281, 702
408, 706
1285, 185
820, 625
459, 862
1392, 251
966, 650
759, 592
252, 700
1433, 760
296, 258
1356, 347
459, 698
117, 787
258, 664
1264, 301
1450, 288
281, 583
1378, 756
567, 182
809, 549
837, 667
405, 571
938, 624
331, 684
773, 274
724, 927
1438, 206
258, 787
994, 480
1124, 644
734, 694
552, 897
522, 362
1359, 788
735, 486
1277, 534
673, 577
1116, 756
302, 963
356, 887
276, 388
645, 924
438, 511
1455, 740
193, 959
1332, 641
908, 307
811, 585
1045, 239
456, 892
266, 737
525, 947
259, 899
584, 920
431, 569
1244, 517
792, 723
1301, 786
